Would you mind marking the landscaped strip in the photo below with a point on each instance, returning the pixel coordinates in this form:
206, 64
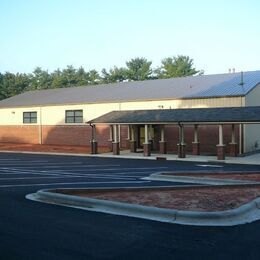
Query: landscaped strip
181, 204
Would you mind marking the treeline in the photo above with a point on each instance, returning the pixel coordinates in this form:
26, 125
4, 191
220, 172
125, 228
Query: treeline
135, 70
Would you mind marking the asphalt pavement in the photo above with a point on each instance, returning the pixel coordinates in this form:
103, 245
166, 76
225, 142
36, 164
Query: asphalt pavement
32, 230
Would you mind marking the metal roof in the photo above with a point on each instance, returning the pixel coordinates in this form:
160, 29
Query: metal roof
175, 116
175, 88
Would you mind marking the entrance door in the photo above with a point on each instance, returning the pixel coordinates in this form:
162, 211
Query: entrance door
141, 135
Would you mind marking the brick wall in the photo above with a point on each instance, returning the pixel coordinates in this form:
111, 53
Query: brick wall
19, 134
81, 135
74, 135
208, 137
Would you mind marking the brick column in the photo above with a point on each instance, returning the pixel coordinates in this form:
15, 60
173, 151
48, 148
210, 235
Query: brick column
233, 147
221, 151
128, 139
221, 147
195, 148
196, 143
162, 143
181, 145
133, 146
116, 143
147, 149
132, 142
110, 140
116, 149
162, 148
147, 145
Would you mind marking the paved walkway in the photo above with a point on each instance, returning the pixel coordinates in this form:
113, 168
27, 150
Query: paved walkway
250, 159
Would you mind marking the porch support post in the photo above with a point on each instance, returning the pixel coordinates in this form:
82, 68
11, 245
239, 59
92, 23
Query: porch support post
116, 149
233, 147
150, 139
147, 144
94, 146
196, 143
241, 139
162, 143
133, 145
221, 147
128, 139
110, 140
181, 144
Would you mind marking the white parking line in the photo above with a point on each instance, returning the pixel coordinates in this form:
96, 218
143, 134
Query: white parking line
69, 177
70, 183
209, 165
63, 174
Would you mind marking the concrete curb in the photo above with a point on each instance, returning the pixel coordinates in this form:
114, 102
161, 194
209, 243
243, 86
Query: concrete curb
246, 213
197, 180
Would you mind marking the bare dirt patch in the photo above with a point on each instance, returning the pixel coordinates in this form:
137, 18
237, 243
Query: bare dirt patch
192, 198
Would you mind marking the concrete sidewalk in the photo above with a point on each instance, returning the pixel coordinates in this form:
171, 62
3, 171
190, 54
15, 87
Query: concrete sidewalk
126, 154
250, 159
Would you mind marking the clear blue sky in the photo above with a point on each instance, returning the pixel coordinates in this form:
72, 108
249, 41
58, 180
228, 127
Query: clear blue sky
52, 34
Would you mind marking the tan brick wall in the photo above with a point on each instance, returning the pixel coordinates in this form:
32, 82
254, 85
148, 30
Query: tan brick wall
19, 134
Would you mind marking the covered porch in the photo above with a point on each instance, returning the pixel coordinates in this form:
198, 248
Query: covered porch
146, 129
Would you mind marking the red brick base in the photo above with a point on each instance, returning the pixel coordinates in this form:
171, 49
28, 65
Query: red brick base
195, 148
133, 146
80, 135
147, 149
233, 149
163, 148
116, 149
20, 134
221, 150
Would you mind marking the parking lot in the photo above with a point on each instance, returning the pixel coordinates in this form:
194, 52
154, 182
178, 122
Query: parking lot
47, 171
33, 230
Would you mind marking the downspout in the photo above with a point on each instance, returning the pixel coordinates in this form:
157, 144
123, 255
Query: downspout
92, 132
180, 132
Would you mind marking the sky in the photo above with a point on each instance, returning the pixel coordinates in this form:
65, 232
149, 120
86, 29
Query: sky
97, 34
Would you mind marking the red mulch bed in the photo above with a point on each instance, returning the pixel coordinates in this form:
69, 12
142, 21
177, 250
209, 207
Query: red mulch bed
253, 176
194, 199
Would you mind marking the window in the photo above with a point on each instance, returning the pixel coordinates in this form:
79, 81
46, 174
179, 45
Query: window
74, 116
30, 117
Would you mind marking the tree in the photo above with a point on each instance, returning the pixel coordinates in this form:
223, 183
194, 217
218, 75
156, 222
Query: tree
82, 77
58, 81
12, 84
179, 66
93, 77
39, 79
138, 69
114, 75
2, 96
69, 76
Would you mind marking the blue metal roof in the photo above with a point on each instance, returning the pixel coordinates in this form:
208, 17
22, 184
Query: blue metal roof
238, 85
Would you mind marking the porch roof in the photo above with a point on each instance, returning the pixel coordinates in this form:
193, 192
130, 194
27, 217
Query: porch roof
223, 115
